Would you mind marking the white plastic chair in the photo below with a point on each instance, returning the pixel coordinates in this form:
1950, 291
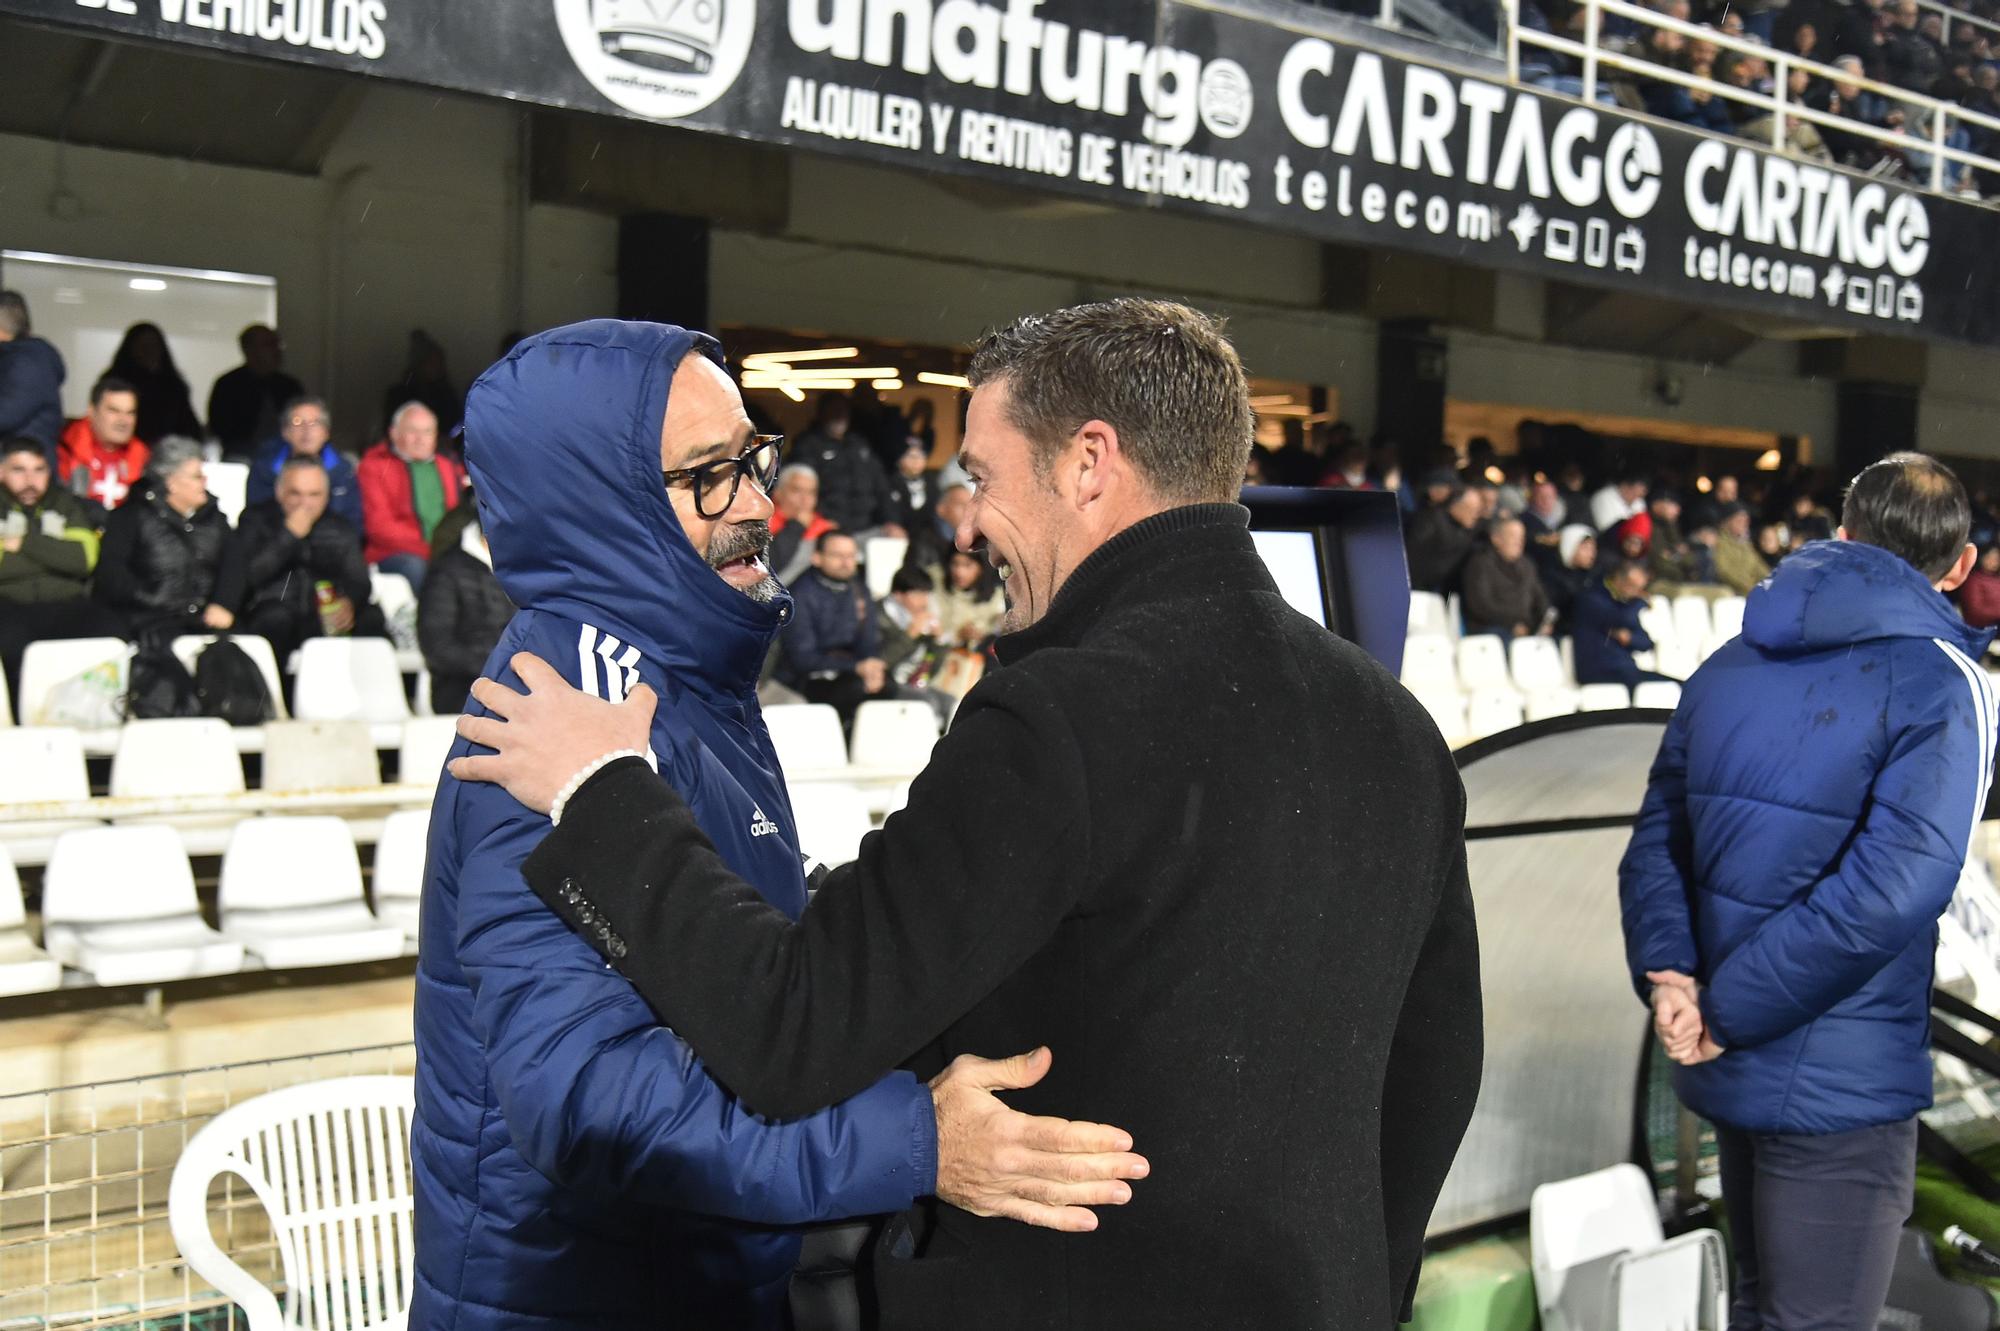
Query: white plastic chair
119, 903
1490, 712
883, 555
1447, 709
1677, 660
1546, 704
1427, 616
1692, 624
1430, 665
1601, 1262
229, 487
1536, 666
1727, 614
807, 737
291, 894
398, 878
1482, 664
1603, 698
24, 968
390, 592
52, 661
352, 679
427, 740
832, 819
38, 764
194, 755
894, 735
1652, 693
6, 702
330, 1161
188, 649
319, 755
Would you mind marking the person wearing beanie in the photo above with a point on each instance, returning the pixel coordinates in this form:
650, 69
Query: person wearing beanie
1576, 544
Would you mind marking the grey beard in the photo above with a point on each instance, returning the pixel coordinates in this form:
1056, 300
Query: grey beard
765, 592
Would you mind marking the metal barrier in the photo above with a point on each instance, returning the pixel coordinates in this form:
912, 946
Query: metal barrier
1595, 57
84, 1173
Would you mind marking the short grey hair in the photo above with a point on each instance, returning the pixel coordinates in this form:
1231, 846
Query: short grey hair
396, 417
1161, 374
14, 321
301, 462
791, 469
174, 452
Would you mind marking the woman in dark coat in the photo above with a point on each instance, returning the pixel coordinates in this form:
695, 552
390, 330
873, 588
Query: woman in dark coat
146, 362
169, 564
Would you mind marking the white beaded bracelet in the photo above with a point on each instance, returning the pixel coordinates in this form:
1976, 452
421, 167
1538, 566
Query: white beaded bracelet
590, 770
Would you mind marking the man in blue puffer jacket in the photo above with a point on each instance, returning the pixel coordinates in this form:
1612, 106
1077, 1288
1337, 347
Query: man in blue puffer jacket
1804, 828
575, 1164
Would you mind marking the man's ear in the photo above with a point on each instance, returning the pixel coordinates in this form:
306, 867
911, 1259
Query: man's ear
1097, 458
1959, 571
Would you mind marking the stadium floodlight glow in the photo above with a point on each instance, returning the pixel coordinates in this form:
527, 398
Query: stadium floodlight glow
778, 359
1271, 400
781, 383
1770, 461
148, 284
1495, 475
943, 380
1703, 484
885, 385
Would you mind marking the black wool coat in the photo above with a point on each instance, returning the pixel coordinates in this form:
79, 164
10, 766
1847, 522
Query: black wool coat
1209, 853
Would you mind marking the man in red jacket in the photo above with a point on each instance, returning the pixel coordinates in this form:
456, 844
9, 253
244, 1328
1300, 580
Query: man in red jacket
406, 487
101, 445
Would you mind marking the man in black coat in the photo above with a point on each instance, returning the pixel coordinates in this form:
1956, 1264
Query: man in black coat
1440, 539
1237, 914
304, 573
461, 613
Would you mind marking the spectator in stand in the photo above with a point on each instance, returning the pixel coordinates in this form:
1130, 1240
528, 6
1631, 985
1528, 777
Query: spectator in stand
913, 492
1441, 486
1607, 628
1621, 499
100, 456
1545, 517
1978, 597
921, 421
1503, 592
931, 544
1738, 565
1631, 541
970, 604
306, 431
407, 487
832, 651
796, 522
144, 361
853, 488
881, 423
1807, 520
1773, 541
909, 620
1576, 574
1675, 564
169, 564
1348, 470
303, 573
248, 405
1913, 58
1301, 459
1439, 540
48, 546
1707, 510
460, 617
1810, 810
31, 379
425, 379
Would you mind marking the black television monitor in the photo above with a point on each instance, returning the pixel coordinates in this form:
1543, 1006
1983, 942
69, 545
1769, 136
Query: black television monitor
1337, 555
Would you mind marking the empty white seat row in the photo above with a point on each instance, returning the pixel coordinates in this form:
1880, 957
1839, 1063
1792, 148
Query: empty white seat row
889, 736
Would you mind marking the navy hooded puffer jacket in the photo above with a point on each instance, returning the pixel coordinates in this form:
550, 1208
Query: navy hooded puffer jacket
1806, 821
575, 1164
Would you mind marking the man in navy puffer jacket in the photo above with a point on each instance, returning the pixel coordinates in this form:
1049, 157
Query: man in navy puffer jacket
1806, 821
575, 1164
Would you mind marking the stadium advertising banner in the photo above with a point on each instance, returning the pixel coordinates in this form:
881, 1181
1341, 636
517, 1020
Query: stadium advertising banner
1185, 107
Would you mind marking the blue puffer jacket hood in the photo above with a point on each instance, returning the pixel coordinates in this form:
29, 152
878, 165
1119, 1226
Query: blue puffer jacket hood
575, 1164
1807, 817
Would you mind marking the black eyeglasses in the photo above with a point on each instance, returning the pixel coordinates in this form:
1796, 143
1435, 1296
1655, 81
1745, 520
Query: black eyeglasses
715, 483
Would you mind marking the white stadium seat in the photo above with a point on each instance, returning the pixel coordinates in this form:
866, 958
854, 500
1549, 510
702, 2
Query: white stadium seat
24, 968
1427, 616
291, 894
883, 555
319, 755
6, 702
1489, 712
897, 736
1545, 704
1727, 614
1603, 698
229, 487
1447, 709
807, 737
1430, 665
1677, 659
193, 755
1536, 665
1657, 618
1692, 624
390, 592
1653, 693
1482, 664
49, 664
1601, 1261
832, 819
37, 764
426, 742
188, 649
352, 679
118, 903
398, 878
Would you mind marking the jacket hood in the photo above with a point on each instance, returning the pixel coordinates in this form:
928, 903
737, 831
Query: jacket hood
562, 437
1834, 593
